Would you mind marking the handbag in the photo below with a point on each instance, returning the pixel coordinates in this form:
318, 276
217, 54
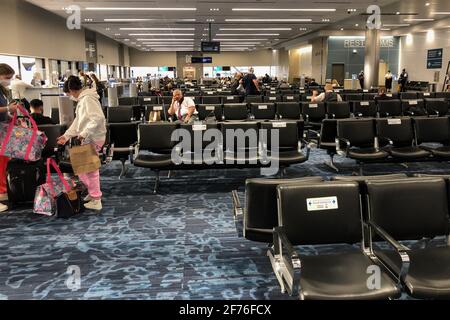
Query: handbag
44, 200
69, 204
84, 159
19, 142
155, 116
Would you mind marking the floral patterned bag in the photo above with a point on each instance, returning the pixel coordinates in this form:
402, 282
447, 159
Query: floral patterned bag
44, 200
21, 143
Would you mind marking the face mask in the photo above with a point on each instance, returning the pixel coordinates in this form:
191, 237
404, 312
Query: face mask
5, 82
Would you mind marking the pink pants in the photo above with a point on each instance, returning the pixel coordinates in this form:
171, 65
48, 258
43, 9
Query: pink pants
92, 180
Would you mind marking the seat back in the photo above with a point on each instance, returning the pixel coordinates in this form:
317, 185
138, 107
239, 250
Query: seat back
253, 99
120, 114
263, 110
364, 109
167, 100
197, 132
413, 108
287, 132
250, 130
231, 99
288, 110
409, 209
369, 96
123, 135
128, 101
399, 130
408, 95
235, 111
436, 106
272, 99
338, 110
313, 111
52, 132
210, 110
211, 100
360, 132
156, 137
291, 98
261, 211
55, 115
320, 213
390, 108
148, 100
328, 133
353, 97
432, 129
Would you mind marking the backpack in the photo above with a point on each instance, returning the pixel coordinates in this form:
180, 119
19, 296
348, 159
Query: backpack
330, 97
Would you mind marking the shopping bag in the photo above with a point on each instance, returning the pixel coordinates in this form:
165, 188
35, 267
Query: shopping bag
155, 116
44, 200
84, 159
19, 142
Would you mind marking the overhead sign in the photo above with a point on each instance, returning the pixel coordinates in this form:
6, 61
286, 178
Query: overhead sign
434, 58
361, 43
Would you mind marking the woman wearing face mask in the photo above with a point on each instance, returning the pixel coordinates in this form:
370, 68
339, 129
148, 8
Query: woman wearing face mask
6, 74
90, 128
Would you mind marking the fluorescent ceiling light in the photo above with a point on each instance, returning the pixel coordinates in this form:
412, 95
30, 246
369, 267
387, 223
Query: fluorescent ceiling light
142, 20
169, 39
397, 25
268, 20
270, 9
255, 29
161, 34
139, 9
157, 29
441, 13
357, 37
417, 19
240, 39
247, 34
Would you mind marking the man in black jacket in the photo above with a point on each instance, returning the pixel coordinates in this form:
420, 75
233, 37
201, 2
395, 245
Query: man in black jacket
37, 113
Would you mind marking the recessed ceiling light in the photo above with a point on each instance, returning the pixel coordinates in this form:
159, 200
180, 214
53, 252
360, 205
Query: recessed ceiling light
268, 20
214, 9
138, 9
210, 20
325, 20
357, 25
427, 4
342, 29
288, 10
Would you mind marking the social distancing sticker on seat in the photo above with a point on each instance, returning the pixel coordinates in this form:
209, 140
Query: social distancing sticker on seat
279, 125
389, 95
394, 121
308, 97
312, 106
290, 98
199, 127
230, 98
413, 102
147, 99
262, 107
272, 98
365, 103
320, 204
157, 108
426, 94
210, 108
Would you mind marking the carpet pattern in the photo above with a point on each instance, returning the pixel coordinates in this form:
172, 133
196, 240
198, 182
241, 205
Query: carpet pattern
179, 244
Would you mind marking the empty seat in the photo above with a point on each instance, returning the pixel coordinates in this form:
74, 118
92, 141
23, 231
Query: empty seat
369, 96
163, 110
272, 99
148, 100
313, 113
433, 130
194, 93
426, 95
413, 108
253, 99
261, 212
128, 101
399, 134
263, 111
211, 100
231, 99
240, 143
120, 114
291, 98
389, 108
442, 95
55, 115
408, 95
365, 109
338, 110
122, 139
288, 110
412, 209
353, 97
327, 140
206, 111
235, 111
436, 106
199, 151
316, 214
52, 132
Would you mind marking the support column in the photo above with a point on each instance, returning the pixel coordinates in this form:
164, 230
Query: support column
372, 58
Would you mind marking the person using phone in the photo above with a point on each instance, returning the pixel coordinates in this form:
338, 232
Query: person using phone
183, 108
6, 107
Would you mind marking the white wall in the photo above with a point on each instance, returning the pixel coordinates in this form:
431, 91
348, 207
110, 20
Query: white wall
152, 59
107, 51
31, 31
413, 56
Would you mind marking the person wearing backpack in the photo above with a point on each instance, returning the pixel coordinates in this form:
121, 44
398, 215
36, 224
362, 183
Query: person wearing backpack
328, 96
6, 74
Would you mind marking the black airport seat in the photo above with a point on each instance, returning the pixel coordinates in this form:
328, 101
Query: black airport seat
353, 97
412, 209
121, 114
442, 95
198, 153
413, 108
434, 130
238, 152
426, 95
194, 93
152, 100
235, 111
288, 110
55, 116
208, 111
318, 214
231, 99
313, 113
272, 99
128, 101
166, 100
52, 132
437, 107
263, 111
409, 96
163, 111
398, 134
327, 141
389, 108
356, 140
291, 98
260, 216
211, 100
365, 109
253, 99
123, 139
338, 110
369, 96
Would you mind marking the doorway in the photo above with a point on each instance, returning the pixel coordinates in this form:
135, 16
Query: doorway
338, 72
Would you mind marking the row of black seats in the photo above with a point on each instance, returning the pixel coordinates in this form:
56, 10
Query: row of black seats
370, 211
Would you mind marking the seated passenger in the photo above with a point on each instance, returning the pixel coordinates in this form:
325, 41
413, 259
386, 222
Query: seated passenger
382, 95
328, 96
37, 113
183, 108
313, 83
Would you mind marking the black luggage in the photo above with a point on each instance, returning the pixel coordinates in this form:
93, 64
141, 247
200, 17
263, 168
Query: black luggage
23, 178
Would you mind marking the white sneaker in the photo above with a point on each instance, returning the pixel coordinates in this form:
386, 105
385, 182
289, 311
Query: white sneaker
4, 197
94, 205
88, 198
3, 207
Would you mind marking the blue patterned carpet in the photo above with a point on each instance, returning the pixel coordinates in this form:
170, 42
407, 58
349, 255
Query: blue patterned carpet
180, 244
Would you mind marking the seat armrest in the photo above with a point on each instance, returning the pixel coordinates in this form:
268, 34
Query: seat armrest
132, 150
385, 142
305, 144
342, 146
238, 213
279, 236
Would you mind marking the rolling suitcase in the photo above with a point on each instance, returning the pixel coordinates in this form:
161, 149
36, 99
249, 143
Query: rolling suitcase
23, 178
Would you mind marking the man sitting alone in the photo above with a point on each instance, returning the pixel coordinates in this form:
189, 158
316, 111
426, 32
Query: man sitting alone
183, 108
37, 113
328, 96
